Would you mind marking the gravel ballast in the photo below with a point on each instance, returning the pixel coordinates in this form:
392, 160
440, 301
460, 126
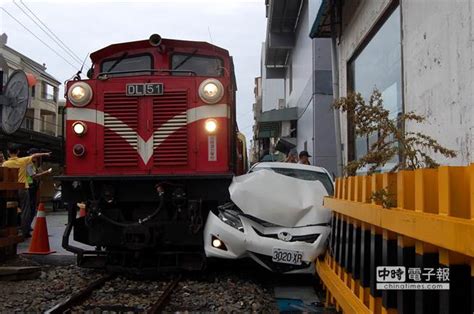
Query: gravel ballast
197, 292
54, 285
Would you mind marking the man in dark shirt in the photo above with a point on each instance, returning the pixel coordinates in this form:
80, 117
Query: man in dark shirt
304, 158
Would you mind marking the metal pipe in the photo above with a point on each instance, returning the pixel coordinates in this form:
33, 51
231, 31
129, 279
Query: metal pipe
140, 221
335, 88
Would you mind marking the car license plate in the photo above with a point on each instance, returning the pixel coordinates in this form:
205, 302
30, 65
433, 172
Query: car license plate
287, 256
145, 89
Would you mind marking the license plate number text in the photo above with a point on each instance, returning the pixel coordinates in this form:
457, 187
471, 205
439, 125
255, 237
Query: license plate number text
287, 256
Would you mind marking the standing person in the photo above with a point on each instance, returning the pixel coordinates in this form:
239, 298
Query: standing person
23, 195
33, 176
292, 156
304, 158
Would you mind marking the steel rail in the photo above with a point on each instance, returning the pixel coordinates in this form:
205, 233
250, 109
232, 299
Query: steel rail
80, 296
162, 301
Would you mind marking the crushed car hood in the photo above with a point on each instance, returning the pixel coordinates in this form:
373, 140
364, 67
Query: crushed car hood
280, 199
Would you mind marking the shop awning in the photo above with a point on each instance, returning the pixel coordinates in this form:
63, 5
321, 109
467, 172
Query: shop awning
268, 129
285, 114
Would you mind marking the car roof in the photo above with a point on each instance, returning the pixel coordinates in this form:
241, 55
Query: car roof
289, 165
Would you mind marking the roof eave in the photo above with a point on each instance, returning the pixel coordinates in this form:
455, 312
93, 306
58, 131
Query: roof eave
321, 27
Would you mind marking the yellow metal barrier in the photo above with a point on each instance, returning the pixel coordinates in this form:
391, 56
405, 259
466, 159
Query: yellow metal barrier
430, 226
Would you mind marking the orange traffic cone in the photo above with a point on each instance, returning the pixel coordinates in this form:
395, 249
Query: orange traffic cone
82, 209
39, 241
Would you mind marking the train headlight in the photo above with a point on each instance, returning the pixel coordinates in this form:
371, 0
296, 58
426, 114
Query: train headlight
79, 94
210, 125
78, 150
211, 91
79, 127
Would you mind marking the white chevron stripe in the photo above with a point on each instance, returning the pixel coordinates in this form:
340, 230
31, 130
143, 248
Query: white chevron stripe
145, 148
208, 111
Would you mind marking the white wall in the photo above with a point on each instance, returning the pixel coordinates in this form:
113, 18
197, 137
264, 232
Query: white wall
301, 61
272, 89
438, 70
301, 95
285, 128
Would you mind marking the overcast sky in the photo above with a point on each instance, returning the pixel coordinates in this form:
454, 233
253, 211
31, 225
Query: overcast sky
86, 26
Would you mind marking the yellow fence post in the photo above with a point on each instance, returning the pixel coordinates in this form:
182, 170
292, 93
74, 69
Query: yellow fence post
470, 171
366, 189
377, 185
453, 189
406, 189
345, 191
426, 190
358, 188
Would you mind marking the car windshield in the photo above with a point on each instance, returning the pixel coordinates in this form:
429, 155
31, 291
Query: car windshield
201, 65
303, 175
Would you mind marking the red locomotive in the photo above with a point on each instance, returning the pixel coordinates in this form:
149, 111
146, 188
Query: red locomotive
151, 146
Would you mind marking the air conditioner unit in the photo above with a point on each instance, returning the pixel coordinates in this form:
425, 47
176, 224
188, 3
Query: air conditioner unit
281, 103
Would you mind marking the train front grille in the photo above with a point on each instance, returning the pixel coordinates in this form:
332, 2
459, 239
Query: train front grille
170, 135
120, 130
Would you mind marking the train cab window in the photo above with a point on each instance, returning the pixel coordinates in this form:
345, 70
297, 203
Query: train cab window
128, 65
201, 65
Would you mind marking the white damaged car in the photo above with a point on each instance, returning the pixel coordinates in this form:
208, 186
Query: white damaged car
276, 217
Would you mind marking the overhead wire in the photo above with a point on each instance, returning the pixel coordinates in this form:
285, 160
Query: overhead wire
74, 58
57, 39
29, 31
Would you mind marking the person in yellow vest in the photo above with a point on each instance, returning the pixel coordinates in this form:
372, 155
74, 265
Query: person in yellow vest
23, 195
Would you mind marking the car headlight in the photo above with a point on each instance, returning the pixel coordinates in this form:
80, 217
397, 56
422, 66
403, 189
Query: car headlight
79, 128
231, 218
210, 125
79, 94
211, 91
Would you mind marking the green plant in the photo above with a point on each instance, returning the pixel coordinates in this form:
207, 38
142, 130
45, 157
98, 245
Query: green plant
384, 198
373, 119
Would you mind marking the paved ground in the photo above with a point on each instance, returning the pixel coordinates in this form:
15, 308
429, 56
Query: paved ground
56, 222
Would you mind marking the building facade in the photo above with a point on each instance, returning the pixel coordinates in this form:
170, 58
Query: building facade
42, 113
40, 128
418, 54
296, 84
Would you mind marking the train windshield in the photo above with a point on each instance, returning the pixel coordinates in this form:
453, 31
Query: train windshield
200, 65
128, 65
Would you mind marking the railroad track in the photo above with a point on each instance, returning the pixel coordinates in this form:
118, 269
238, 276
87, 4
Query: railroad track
78, 299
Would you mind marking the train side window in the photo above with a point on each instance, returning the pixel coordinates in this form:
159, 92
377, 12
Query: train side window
201, 65
128, 65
